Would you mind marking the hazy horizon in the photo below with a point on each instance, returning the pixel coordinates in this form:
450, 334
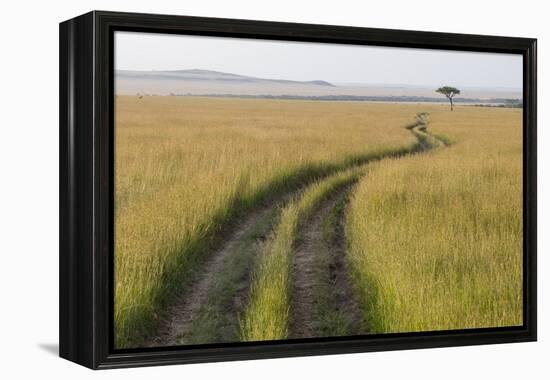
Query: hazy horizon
304, 61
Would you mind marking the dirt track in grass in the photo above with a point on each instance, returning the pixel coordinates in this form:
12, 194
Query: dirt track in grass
323, 301
195, 303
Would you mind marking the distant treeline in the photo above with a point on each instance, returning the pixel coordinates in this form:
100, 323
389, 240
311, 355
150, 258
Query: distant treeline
493, 102
502, 105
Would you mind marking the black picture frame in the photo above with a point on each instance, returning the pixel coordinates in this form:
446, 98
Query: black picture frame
86, 187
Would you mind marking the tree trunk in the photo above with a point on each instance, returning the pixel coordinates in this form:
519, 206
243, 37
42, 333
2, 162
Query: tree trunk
451, 100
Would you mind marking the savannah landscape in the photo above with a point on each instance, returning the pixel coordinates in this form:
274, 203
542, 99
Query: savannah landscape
249, 219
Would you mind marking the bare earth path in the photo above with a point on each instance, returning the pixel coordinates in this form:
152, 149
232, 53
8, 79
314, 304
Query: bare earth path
207, 311
323, 300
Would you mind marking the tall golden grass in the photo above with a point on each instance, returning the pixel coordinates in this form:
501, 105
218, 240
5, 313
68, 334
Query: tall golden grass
435, 240
268, 313
187, 166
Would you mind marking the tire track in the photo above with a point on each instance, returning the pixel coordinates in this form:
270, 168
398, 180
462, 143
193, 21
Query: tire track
207, 312
323, 300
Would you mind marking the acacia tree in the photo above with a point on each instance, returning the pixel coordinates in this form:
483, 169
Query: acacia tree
449, 92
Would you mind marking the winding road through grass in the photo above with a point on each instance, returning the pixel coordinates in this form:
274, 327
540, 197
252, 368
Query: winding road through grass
289, 297
279, 271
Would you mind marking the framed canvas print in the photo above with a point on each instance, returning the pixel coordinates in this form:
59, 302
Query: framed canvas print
237, 189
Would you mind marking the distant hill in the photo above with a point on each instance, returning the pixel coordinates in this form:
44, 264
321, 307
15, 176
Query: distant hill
209, 82
209, 76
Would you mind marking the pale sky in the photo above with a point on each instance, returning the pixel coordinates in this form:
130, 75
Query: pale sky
305, 61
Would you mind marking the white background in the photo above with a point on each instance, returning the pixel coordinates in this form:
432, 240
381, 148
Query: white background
29, 187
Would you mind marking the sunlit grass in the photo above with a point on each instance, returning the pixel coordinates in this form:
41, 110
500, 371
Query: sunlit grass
267, 316
186, 166
436, 239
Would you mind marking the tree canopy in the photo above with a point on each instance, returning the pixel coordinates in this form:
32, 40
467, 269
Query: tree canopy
449, 92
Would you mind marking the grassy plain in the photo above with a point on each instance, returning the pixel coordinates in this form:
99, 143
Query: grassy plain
187, 166
267, 316
435, 240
